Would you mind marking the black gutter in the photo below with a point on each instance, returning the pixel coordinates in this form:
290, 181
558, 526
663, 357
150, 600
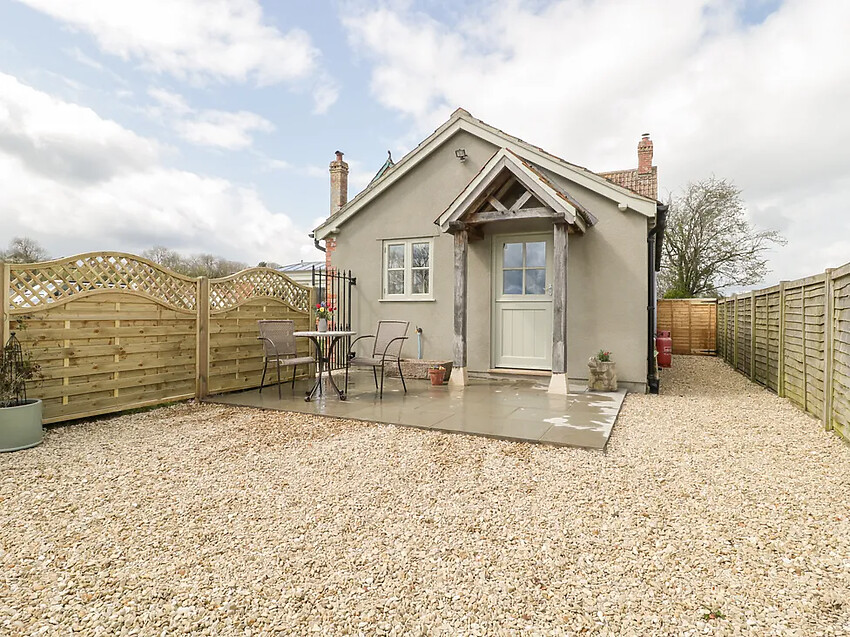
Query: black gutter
654, 243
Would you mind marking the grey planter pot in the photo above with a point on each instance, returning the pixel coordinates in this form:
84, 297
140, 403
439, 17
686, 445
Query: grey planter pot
20, 427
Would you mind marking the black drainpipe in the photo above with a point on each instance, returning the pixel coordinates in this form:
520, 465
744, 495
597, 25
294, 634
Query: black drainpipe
654, 241
316, 242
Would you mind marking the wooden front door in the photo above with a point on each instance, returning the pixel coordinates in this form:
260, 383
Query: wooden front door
522, 301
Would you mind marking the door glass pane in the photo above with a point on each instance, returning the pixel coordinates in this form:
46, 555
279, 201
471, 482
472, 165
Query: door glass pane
512, 256
535, 281
421, 255
512, 282
535, 254
395, 282
420, 282
395, 255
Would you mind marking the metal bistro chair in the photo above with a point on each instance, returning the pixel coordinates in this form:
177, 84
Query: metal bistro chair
389, 339
279, 347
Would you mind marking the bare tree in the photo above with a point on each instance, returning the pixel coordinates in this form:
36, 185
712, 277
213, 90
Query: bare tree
24, 250
207, 265
709, 244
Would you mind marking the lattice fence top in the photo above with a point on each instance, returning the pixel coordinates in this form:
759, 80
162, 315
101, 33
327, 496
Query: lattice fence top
247, 284
39, 285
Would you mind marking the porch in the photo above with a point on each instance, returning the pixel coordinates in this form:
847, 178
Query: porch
508, 409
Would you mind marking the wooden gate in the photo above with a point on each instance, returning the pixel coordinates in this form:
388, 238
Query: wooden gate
692, 324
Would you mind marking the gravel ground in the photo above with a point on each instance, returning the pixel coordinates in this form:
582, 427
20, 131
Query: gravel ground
717, 509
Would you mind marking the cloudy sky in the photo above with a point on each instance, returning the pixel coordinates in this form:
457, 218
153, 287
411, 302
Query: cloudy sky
209, 126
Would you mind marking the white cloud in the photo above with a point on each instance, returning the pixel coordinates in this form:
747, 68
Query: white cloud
763, 104
221, 129
197, 40
217, 129
75, 179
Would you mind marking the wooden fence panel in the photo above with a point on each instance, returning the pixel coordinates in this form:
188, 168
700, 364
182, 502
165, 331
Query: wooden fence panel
110, 332
730, 332
772, 318
794, 381
113, 331
840, 386
743, 335
795, 339
236, 304
760, 340
692, 324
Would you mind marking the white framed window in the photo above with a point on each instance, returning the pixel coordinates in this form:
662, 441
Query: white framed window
408, 269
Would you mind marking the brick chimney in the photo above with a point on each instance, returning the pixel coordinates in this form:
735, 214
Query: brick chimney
339, 182
645, 155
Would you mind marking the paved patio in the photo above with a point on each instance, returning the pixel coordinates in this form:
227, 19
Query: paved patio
508, 409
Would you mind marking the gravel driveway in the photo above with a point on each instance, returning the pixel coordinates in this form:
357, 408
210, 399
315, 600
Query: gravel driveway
717, 509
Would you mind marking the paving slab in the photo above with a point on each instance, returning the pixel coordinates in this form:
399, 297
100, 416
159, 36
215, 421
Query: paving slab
510, 409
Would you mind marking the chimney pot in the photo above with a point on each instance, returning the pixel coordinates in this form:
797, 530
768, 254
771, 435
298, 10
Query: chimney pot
339, 183
645, 155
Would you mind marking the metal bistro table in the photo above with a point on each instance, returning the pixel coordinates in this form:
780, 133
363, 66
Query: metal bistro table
324, 357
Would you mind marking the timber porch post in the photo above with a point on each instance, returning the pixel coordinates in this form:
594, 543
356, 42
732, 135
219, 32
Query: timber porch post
461, 250
559, 383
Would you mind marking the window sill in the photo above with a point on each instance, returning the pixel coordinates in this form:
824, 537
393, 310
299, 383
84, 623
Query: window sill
407, 300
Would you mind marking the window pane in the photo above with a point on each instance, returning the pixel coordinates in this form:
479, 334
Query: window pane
535, 254
512, 256
420, 282
395, 282
395, 255
421, 255
512, 282
535, 281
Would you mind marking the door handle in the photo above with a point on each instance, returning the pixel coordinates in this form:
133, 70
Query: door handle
549, 290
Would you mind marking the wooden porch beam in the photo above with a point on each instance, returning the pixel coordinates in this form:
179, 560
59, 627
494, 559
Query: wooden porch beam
498, 205
525, 213
521, 201
559, 384
461, 250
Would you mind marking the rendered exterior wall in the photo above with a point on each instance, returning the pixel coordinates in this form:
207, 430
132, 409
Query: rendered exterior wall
607, 287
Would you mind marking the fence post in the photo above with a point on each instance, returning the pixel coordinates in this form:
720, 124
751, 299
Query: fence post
780, 365
829, 310
202, 353
726, 330
805, 364
735, 336
752, 335
5, 301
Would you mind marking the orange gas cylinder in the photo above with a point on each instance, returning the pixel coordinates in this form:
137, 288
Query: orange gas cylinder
664, 347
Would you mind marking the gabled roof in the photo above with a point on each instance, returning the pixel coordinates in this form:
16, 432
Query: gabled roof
530, 177
645, 184
462, 120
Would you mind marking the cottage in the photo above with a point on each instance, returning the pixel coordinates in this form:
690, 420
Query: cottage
509, 258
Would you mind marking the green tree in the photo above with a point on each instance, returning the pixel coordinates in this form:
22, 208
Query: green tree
709, 244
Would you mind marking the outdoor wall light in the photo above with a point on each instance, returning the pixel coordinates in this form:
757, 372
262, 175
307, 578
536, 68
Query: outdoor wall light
460, 153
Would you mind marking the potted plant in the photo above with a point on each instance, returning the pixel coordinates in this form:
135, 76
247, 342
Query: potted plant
603, 372
324, 312
20, 417
437, 374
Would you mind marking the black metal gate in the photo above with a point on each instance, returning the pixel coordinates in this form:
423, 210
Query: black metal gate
333, 287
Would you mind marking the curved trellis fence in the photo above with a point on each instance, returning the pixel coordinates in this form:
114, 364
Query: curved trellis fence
114, 331
794, 338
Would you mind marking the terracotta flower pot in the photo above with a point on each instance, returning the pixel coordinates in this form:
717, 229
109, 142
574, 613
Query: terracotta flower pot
437, 376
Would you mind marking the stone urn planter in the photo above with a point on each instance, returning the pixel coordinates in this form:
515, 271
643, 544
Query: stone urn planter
437, 375
603, 375
20, 426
